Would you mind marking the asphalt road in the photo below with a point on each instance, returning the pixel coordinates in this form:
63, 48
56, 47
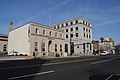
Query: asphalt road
81, 68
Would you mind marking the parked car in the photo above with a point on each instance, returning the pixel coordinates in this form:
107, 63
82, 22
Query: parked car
104, 53
13, 53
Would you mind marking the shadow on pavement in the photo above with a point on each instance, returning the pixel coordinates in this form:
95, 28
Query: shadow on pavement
10, 69
105, 77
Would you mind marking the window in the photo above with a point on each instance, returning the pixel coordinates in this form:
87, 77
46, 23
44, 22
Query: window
77, 46
5, 47
84, 28
66, 24
71, 23
54, 27
89, 31
76, 34
76, 28
60, 47
43, 46
43, 32
76, 21
66, 36
36, 30
84, 34
55, 34
62, 25
50, 33
60, 35
71, 29
55, 47
83, 22
89, 36
66, 30
58, 26
71, 35
36, 46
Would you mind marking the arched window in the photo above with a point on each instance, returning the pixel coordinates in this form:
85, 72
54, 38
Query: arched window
4, 47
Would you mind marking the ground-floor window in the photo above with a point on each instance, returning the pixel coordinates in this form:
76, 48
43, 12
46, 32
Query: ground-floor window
5, 47
60, 47
43, 46
36, 46
66, 48
55, 47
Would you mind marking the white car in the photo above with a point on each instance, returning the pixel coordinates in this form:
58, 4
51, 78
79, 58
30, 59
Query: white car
13, 53
104, 53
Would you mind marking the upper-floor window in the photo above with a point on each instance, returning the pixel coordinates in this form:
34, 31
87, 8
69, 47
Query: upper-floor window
89, 36
62, 25
66, 36
58, 26
84, 28
71, 35
36, 30
50, 33
84, 34
66, 30
71, 29
76, 34
76, 28
54, 27
66, 24
89, 31
43, 32
60, 35
83, 22
55, 34
76, 21
71, 23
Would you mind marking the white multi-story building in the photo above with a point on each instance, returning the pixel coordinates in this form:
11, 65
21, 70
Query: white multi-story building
34, 39
78, 34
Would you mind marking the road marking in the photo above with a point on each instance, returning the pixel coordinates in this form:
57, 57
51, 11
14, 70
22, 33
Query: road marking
101, 61
53, 63
109, 77
36, 74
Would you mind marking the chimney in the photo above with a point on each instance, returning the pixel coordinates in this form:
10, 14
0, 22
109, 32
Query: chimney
10, 26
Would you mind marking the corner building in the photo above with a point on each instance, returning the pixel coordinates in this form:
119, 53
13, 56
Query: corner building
78, 34
37, 40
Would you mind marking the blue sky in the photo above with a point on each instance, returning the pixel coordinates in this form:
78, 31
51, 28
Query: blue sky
104, 14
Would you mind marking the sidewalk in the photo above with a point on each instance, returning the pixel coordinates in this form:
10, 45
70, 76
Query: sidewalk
15, 58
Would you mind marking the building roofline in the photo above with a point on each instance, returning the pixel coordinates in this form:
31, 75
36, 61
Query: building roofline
71, 19
3, 35
40, 25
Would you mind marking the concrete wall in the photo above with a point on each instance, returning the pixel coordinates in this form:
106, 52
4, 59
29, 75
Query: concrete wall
18, 40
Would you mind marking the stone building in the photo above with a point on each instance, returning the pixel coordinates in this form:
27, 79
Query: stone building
3, 43
78, 35
37, 40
